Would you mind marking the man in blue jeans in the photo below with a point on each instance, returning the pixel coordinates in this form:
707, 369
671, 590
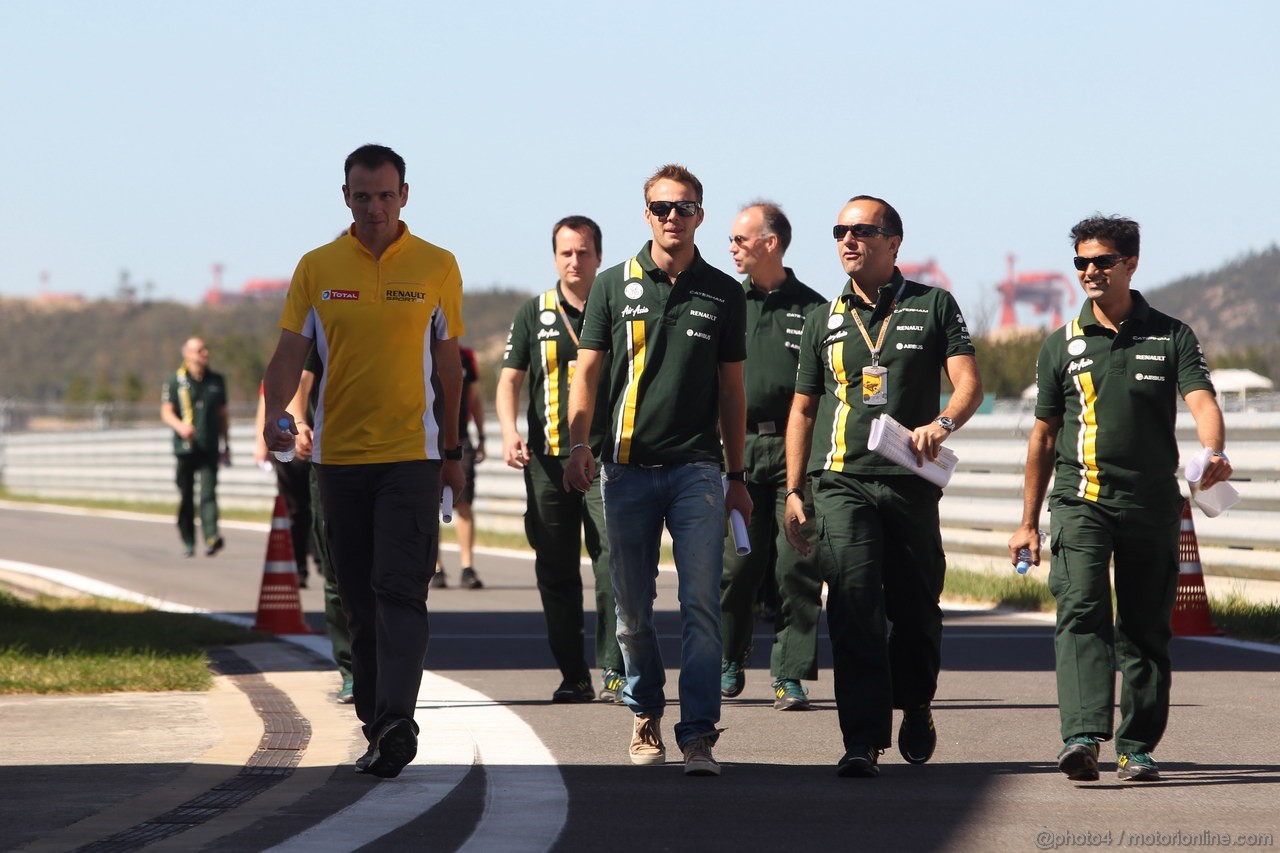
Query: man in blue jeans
676, 329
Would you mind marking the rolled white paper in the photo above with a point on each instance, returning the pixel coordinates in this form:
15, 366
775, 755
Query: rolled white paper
741, 542
446, 504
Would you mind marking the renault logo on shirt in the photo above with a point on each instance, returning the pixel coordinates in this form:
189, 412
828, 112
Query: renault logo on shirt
405, 296
351, 295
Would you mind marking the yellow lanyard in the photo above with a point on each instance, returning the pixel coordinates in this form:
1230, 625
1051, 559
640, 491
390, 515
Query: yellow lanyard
884, 327
565, 317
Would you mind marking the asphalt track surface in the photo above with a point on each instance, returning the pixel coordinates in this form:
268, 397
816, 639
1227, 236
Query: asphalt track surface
501, 768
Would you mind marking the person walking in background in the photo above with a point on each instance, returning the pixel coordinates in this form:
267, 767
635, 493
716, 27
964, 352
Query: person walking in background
675, 328
543, 344
383, 309
471, 410
878, 349
1107, 385
293, 483
193, 403
777, 305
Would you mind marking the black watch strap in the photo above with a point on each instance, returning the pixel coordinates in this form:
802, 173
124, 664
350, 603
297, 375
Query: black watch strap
736, 476
454, 453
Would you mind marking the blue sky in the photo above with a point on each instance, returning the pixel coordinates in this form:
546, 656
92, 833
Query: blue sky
164, 137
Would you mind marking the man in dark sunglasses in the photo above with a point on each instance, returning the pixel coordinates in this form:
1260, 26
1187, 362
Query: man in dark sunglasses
675, 329
1106, 391
878, 349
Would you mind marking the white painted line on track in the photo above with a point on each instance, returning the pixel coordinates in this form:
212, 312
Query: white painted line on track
526, 802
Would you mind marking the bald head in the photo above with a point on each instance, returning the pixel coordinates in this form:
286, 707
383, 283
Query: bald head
195, 356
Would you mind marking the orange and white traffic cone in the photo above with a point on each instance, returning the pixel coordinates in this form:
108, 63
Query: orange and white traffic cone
1191, 607
279, 604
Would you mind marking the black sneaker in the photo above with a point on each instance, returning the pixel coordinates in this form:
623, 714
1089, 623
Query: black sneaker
395, 747
214, 545
859, 762
363, 762
1137, 767
574, 692
470, 580
917, 738
1079, 759
438, 580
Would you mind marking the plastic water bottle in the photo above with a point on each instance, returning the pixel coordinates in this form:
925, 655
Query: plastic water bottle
1024, 556
285, 455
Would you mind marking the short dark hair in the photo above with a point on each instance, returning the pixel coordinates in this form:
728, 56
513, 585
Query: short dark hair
577, 223
372, 157
775, 222
891, 218
679, 174
1121, 232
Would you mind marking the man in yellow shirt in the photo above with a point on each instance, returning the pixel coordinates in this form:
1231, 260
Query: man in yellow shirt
383, 309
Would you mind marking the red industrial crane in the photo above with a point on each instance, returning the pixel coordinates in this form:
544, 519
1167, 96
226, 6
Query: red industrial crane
1043, 291
926, 273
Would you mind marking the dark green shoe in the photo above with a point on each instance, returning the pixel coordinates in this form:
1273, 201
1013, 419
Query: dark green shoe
1079, 759
571, 692
860, 762
732, 678
790, 695
1137, 767
917, 737
612, 686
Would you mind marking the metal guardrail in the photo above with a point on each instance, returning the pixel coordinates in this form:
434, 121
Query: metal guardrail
979, 510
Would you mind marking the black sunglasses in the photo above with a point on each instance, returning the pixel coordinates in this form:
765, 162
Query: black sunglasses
1102, 262
660, 209
861, 231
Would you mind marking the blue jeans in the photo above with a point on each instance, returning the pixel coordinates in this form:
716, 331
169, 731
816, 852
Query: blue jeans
690, 499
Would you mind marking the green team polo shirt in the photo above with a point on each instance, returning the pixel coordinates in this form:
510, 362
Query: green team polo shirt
540, 344
667, 342
927, 329
198, 402
775, 324
1116, 393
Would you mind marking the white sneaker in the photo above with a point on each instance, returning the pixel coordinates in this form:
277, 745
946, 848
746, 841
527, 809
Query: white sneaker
646, 741
698, 760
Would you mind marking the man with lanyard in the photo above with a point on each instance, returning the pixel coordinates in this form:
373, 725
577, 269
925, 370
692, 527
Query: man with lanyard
777, 304
879, 544
1106, 392
384, 309
543, 343
675, 328
193, 403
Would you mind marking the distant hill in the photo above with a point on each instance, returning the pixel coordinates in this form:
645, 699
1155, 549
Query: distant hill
1232, 309
120, 351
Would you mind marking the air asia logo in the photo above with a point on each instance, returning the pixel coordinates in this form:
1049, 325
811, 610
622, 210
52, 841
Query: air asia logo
910, 346
1147, 377
350, 295
1076, 366
543, 334
843, 333
691, 333
706, 296
406, 296
703, 314
634, 310
1141, 357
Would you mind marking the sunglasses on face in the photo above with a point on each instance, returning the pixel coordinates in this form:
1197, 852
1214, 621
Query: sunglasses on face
860, 231
1102, 262
661, 209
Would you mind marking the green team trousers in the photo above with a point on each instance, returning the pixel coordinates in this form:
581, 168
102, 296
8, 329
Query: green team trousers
335, 620
880, 552
1088, 647
554, 524
795, 647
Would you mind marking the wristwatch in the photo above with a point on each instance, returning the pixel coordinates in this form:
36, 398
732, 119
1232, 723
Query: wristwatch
946, 423
736, 476
454, 453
